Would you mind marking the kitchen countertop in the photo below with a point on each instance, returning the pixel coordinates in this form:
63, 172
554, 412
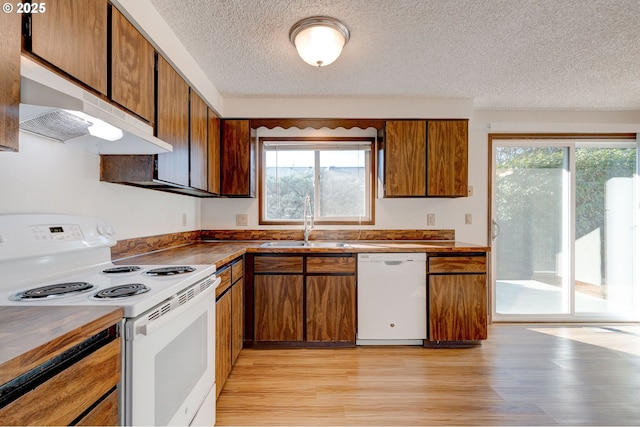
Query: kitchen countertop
30, 336
223, 252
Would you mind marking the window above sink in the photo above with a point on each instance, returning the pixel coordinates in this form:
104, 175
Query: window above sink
335, 172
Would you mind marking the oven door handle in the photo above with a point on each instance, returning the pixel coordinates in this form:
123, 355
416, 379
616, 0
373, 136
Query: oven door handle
152, 326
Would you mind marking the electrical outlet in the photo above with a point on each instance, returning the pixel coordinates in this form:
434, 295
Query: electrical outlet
470, 191
241, 220
467, 218
431, 219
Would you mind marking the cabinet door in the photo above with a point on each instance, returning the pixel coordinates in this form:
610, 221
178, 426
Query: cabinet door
331, 308
405, 159
238, 159
132, 68
447, 148
72, 35
198, 143
237, 319
213, 135
278, 305
9, 80
457, 307
223, 340
172, 125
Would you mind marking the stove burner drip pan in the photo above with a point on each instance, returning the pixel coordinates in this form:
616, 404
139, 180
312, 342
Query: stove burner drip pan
58, 290
169, 271
122, 291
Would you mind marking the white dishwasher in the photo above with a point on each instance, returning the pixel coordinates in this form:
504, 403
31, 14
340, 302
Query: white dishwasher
392, 299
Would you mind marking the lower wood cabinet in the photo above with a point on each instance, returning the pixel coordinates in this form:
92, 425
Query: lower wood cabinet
279, 307
229, 320
331, 308
66, 391
457, 298
302, 300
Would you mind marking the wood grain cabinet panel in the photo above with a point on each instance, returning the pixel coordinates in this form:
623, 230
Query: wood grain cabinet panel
63, 398
237, 319
172, 125
72, 36
223, 340
238, 159
278, 301
225, 281
132, 68
421, 158
9, 81
331, 308
405, 158
198, 142
104, 413
326, 264
458, 264
457, 307
278, 264
213, 136
447, 158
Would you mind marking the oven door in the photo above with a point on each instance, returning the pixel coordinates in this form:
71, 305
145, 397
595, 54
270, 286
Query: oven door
170, 362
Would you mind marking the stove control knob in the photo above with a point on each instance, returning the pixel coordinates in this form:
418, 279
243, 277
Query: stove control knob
101, 230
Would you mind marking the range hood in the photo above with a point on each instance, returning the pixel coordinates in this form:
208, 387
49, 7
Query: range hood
53, 107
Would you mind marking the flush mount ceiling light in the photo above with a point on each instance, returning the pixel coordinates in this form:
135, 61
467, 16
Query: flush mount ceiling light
319, 39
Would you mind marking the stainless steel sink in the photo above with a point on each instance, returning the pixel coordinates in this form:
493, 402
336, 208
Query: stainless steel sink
302, 244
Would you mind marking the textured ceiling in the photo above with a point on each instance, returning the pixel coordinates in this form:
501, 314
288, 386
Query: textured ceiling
538, 54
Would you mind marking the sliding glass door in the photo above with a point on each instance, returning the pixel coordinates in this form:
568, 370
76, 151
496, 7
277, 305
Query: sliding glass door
563, 230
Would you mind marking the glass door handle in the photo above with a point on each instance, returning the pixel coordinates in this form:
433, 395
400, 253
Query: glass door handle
495, 229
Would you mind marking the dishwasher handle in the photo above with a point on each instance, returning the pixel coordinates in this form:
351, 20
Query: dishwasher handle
393, 262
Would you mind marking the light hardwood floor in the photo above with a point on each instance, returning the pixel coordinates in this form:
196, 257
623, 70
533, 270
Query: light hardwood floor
522, 375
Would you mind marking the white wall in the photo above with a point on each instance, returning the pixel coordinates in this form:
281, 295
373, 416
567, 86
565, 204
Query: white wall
49, 177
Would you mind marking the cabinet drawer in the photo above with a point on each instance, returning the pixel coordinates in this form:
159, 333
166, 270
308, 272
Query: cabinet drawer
324, 264
458, 264
236, 271
105, 413
277, 264
225, 277
77, 387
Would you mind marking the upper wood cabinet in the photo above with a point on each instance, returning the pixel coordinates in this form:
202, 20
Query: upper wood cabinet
447, 158
9, 80
198, 142
213, 135
405, 158
237, 165
172, 124
72, 36
424, 158
132, 68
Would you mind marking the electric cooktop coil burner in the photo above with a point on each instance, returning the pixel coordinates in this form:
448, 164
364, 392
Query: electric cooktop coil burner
169, 271
122, 291
122, 269
58, 290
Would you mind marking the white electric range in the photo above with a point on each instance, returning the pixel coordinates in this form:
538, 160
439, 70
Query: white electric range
169, 326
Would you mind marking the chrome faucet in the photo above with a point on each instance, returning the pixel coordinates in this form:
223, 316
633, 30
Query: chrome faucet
308, 219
